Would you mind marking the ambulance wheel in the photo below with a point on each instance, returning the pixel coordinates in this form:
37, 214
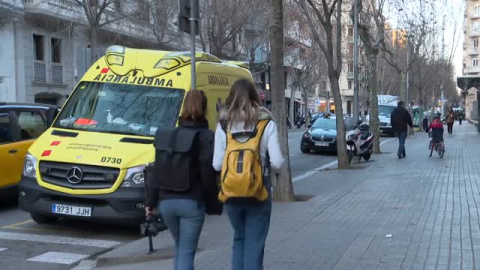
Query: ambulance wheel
42, 219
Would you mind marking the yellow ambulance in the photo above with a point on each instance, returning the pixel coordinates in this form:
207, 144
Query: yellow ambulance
89, 164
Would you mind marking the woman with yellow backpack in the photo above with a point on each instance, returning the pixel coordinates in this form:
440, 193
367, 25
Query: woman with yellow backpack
246, 146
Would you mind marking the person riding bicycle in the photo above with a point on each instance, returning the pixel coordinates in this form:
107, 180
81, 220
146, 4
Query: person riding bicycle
437, 129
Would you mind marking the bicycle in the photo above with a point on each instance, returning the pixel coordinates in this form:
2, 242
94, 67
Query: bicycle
438, 146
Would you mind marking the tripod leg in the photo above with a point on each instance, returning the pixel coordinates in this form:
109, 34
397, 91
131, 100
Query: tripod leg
150, 243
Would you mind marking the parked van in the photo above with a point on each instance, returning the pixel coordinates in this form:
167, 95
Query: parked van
90, 163
386, 105
20, 125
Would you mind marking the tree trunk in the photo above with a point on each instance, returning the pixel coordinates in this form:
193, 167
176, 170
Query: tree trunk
343, 162
283, 190
93, 41
403, 87
374, 121
292, 106
305, 107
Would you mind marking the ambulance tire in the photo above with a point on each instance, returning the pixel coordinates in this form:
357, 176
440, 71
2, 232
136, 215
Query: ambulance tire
42, 219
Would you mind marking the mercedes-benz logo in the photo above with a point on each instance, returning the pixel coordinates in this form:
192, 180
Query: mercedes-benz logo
75, 175
322, 137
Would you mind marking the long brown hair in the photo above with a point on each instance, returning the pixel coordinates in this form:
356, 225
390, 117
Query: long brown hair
242, 103
194, 106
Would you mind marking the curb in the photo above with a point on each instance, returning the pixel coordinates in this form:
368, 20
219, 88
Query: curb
158, 254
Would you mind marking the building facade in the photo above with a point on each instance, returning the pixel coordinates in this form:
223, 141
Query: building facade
45, 47
471, 51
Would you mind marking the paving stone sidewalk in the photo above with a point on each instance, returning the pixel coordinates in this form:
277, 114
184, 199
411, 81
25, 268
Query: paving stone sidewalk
414, 213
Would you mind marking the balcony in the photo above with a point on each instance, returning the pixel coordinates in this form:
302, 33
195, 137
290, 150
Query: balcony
474, 33
350, 74
470, 70
57, 73
347, 92
474, 16
473, 51
64, 8
39, 71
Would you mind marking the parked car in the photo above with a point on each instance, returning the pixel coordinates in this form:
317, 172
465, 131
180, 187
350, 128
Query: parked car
321, 137
20, 125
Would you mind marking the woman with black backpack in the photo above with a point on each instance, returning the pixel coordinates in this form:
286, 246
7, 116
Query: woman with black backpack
184, 180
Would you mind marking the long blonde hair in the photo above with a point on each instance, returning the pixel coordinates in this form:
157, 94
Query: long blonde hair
242, 104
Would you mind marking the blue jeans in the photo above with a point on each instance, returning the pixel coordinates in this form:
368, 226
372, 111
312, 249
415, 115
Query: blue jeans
184, 218
250, 221
402, 136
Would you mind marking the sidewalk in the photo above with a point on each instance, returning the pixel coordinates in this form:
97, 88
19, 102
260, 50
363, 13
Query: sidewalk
428, 206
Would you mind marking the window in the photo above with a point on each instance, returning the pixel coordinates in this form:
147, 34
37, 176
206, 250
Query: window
31, 124
38, 48
350, 67
350, 32
56, 50
475, 43
474, 62
349, 84
476, 27
477, 9
5, 129
120, 108
350, 50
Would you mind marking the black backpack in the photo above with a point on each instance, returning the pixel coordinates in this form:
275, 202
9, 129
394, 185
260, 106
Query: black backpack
175, 166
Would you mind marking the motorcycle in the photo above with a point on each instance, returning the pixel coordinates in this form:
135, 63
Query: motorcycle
300, 121
360, 142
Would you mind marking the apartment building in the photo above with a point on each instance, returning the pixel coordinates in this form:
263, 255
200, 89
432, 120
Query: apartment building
471, 51
45, 47
346, 81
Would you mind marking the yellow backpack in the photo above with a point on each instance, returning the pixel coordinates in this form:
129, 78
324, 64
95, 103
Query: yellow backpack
242, 172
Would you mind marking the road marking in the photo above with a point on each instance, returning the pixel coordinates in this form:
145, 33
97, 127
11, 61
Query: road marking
3, 249
326, 166
58, 240
14, 225
85, 265
58, 257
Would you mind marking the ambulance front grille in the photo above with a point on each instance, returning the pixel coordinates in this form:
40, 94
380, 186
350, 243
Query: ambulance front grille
77, 176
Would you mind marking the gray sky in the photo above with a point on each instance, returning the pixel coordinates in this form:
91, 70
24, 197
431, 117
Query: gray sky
451, 10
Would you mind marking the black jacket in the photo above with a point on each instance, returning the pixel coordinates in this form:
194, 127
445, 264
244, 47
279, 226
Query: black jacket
400, 120
206, 188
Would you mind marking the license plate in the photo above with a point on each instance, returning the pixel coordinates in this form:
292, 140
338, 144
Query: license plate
71, 210
325, 144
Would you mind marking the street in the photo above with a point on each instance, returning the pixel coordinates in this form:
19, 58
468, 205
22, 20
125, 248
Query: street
67, 241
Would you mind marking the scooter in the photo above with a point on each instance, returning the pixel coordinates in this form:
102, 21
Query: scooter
300, 121
360, 142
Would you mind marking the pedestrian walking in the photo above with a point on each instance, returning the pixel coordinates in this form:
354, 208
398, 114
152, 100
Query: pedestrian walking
246, 144
401, 120
450, 120
425, 122
461, 115
184, 179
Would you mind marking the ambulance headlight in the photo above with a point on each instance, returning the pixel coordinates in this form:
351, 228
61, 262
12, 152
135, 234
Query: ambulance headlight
30, 166
134, 178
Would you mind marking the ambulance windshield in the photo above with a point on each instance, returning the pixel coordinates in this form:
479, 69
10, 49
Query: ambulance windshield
120, 108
